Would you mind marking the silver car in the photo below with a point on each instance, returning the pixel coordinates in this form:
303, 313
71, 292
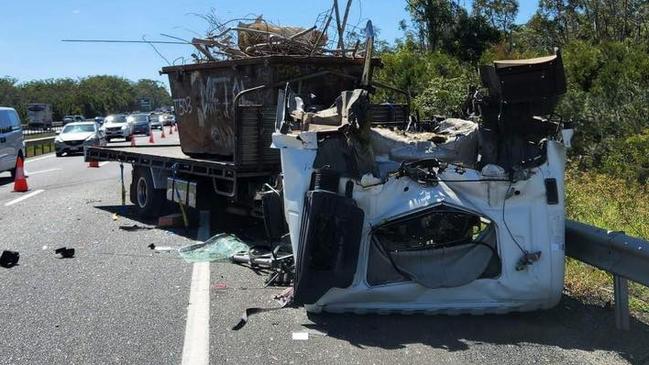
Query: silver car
167, 119
12, 144
116, 126
155, 121
75, 136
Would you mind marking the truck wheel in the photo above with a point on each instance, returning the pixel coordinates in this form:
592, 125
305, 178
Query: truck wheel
148, 200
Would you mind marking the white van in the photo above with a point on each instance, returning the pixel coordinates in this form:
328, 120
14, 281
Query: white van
11, 140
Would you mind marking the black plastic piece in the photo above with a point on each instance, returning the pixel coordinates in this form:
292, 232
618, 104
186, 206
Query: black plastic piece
9, 259
272, 205
325, 179
330, 237
551, 191
65, 252
349, 189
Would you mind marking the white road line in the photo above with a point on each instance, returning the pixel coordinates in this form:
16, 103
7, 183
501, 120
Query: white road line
29, 173
34, 193
104, 163
196, 349
38, 159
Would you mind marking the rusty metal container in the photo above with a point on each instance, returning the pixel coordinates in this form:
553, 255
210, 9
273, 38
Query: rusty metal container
216, 122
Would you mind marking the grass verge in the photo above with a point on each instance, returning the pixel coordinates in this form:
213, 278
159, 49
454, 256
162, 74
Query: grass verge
611, 203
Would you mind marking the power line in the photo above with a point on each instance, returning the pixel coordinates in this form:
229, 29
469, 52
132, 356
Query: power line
119, 41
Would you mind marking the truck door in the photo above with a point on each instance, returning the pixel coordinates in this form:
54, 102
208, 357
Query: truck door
5, 145
15, 135
330, 237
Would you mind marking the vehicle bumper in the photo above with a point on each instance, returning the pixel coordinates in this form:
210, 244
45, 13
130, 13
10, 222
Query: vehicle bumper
116, 134
73, 147
141, 130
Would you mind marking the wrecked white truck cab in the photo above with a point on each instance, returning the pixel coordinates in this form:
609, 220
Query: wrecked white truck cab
467, 217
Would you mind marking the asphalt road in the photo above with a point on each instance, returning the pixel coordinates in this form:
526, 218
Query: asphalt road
118, 302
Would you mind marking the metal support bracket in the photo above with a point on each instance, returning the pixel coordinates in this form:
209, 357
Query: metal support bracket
621, 289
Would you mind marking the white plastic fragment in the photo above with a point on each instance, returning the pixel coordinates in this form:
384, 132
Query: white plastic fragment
300, 336
369, 180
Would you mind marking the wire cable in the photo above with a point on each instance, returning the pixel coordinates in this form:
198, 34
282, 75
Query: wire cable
524, 251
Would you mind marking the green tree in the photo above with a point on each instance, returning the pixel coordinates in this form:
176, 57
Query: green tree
154, 91
432, 19
62, 94
443, 25
500, 13
9, 92
102, 95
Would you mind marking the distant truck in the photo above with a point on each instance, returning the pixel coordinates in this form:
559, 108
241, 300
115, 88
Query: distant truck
39, 115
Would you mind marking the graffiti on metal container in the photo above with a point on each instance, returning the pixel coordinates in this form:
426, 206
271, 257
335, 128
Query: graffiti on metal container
183, 105
215, 102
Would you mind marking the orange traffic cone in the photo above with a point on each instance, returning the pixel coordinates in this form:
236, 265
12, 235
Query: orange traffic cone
162, 135
20, 183
93, 163
151, 139
132, 140
171, 130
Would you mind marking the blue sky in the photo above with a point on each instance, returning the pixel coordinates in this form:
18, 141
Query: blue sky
32, 30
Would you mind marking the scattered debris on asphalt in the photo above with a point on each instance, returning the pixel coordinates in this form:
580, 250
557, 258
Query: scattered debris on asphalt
9, 259
300, 336
115, 216
285, 299
65, 252
278, 262
135, 227
219, 286
218, 248
165, 248
171, 220
151, 246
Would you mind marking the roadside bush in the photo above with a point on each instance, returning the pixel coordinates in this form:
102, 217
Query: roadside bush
629, 158
444, 96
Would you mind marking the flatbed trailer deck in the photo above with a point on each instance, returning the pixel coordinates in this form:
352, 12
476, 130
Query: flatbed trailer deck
167, 156
164, 172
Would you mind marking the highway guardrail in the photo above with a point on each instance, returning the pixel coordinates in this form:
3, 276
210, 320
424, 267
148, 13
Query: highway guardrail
39, 143
625, 257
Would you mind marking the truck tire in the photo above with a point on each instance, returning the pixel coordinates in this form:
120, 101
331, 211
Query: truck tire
148, 201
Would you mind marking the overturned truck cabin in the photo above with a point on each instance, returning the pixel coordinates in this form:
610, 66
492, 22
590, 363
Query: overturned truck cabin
448, 216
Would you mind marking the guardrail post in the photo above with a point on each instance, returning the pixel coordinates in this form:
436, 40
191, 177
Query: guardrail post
621, 293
